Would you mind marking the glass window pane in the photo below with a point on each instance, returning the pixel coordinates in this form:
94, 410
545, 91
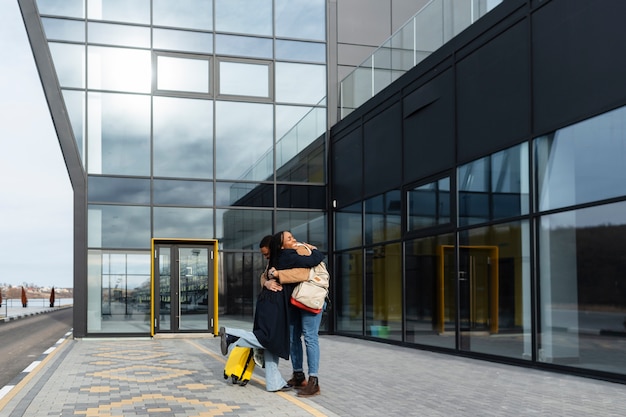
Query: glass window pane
243, 229
183, 74
300, 51
494, 187
429, 205
69, 8
184, 41
306, 226
295, 145
75, 105
122, 35
301, 196
349, 292
196, 223
494, 285
64, 30
132, 11
382, 217
305, 166
118, 190
291, 89
582, 163
349, 227
430, 293
243, 46
244, 16
287, 117
582, 288
244, 79
303, 19
183, 193
183, 137
121, 299
69, 63
240, 288
119, 134
118, 227
191, 14
383, 292
237, 149
244, 194
119, 69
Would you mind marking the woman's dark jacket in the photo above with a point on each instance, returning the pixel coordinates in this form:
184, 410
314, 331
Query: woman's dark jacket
271, 322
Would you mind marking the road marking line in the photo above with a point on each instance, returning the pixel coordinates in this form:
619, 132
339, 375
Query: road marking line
9, 391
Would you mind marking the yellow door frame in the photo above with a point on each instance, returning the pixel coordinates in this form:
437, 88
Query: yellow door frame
494, 285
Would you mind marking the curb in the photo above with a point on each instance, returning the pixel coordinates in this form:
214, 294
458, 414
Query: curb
4, 319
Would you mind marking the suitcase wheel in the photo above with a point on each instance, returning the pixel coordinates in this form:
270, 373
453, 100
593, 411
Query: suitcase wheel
235, 380
225, 376
244, 383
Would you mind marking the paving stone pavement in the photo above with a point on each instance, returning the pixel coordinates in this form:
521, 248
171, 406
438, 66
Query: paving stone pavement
183, 376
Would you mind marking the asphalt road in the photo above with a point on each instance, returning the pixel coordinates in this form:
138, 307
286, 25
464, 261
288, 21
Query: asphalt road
23, 341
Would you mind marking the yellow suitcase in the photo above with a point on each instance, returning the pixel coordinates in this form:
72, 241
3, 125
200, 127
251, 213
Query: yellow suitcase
239, 365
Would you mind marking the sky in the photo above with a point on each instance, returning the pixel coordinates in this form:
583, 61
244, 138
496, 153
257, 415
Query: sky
36, 230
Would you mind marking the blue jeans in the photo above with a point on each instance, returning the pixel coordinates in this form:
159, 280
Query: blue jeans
303, 323
273, 379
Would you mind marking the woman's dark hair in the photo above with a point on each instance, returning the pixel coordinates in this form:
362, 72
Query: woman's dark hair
275, 248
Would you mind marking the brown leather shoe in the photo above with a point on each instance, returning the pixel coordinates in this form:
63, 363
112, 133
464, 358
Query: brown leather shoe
298, 380
312, 388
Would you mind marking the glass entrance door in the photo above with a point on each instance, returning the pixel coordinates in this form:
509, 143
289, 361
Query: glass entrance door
478, 281
183, 283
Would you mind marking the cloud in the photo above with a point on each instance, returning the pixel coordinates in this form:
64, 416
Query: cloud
35, 192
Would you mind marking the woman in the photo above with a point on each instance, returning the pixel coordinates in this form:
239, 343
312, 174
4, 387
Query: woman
283, 256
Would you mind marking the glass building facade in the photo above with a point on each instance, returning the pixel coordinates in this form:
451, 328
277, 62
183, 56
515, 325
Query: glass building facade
469, 200
176, 109
479, 199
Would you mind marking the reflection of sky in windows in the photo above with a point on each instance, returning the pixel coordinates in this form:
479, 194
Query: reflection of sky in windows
119, 134
191, 14
183, 74
70, 8
183, 137
137, 11
182, 40
303, 19
122, 35
300, 51
64, 30
75, 104
252, 17
119, 69
119, 190
183, 193
69, 62
291, 89
244, 132
170, 222
604, 215
237, 78
243, 46
584, 162
118, 227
